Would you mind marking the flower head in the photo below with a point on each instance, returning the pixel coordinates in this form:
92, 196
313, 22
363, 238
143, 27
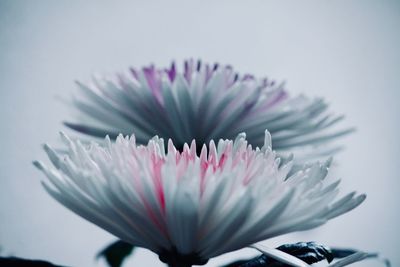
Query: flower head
201, 103
190, 208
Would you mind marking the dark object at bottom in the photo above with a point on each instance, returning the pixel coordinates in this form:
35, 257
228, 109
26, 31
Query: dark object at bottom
18, 262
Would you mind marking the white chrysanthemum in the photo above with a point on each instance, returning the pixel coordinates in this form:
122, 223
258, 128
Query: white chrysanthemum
190, 208
201, 103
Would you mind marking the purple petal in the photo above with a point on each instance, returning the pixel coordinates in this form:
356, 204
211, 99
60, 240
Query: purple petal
198, 65
153, 82
188, 70
247, 77
279, 97
134, 73
171, 72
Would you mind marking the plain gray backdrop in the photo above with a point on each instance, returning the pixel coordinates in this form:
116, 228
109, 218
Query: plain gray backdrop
345, 51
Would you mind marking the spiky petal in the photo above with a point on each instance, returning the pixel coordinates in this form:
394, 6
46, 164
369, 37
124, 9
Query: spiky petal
184, 206
204, 102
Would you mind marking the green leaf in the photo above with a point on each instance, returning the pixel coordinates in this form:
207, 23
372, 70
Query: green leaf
116, 253
309, 252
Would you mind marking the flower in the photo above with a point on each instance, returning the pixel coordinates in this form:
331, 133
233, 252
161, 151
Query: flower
189, 208
202, 103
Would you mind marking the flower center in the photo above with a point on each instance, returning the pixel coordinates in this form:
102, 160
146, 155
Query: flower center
174, 259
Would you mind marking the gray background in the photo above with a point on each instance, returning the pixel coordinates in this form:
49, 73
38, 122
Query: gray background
345, 51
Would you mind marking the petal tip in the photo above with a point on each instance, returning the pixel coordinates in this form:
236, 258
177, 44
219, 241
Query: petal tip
38, 164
